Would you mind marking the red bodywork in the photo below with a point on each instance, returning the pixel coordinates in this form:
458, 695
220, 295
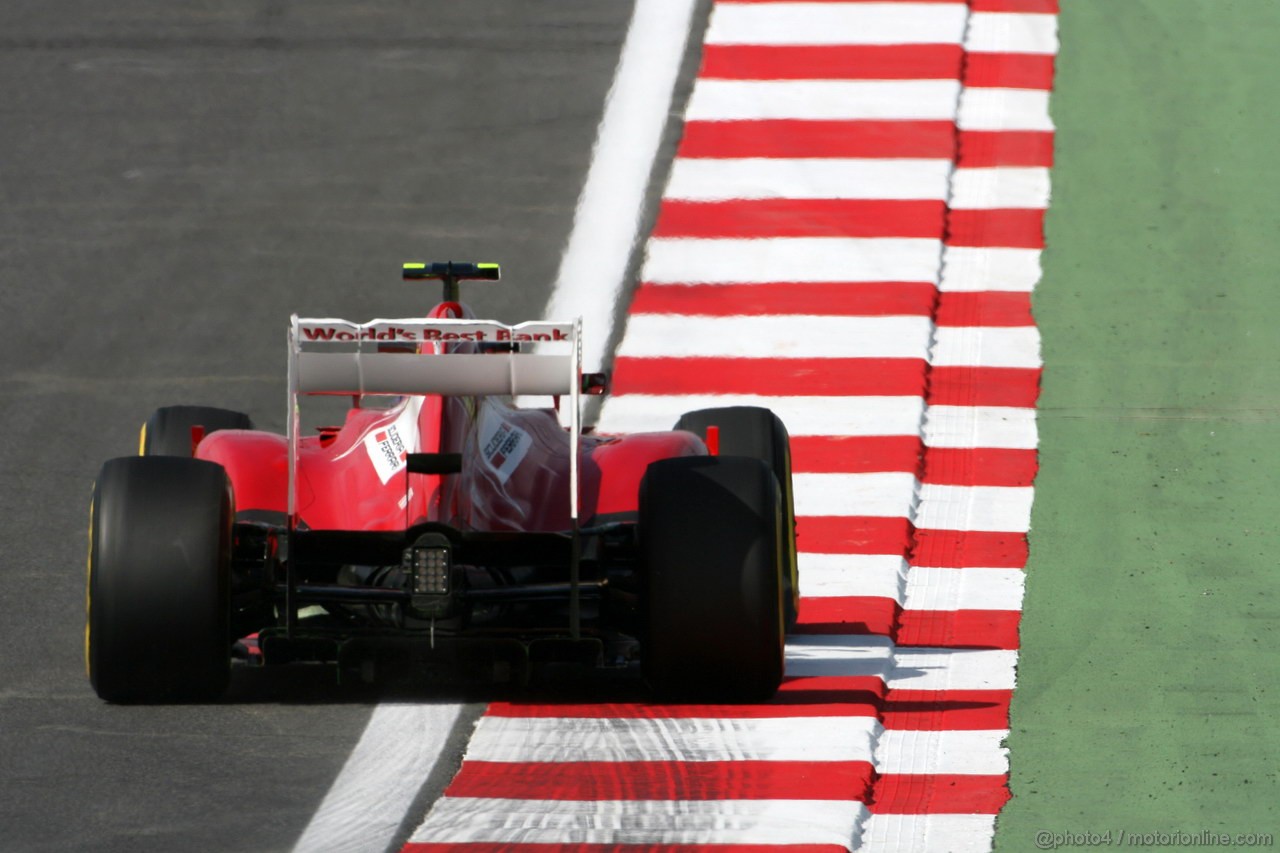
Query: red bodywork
515, 466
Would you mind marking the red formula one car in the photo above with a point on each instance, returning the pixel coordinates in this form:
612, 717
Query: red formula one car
443, 528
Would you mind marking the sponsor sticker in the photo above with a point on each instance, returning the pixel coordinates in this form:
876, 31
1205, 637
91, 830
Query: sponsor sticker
503, 445
389, 446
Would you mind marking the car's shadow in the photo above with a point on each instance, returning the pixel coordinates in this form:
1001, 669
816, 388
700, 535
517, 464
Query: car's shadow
320, 684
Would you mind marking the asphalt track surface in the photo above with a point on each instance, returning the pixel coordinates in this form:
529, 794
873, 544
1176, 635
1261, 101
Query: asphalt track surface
175, 179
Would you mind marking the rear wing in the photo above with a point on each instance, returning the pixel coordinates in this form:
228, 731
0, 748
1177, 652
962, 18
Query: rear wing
331, 356
420, 356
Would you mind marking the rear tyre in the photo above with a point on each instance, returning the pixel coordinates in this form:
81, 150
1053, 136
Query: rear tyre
168, 431
760, 434
711, 550
158, 623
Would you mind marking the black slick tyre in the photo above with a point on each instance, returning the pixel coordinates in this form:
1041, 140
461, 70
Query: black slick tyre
158, 621
168, 431
711, 549
760, 434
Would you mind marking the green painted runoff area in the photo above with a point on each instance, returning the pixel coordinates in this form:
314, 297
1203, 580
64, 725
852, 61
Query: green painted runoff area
1148, 695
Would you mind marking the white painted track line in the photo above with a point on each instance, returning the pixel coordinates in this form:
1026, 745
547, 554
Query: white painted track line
605, 226
367, 802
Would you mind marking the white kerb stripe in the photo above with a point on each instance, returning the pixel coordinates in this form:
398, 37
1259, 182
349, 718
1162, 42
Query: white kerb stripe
987, 508
823, 100
970, 269
1004, 109
709, 179
981, 426
790, 336
802, 415
885, 494
986, 346
793, 259
931, 588
945, 752
815, 655
837, 575
953, 669
462, 820
837, 23
368, 801
928, 833
560, 739
1000, 187
1012, 32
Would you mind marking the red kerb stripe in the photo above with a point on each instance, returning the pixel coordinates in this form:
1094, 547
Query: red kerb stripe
838, 299
902, 793
1041, 7
946, 710
832, 688
665, 780
984, 308
959, 629
982, 466
1020, 228
959, 549
1009, 70
854, 535
847, 615
984, 386
780, 377
987, 148
789, 217
799, 138
854, 454
831, 62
